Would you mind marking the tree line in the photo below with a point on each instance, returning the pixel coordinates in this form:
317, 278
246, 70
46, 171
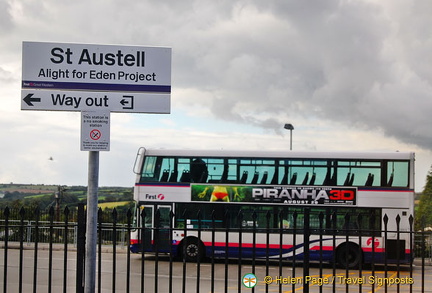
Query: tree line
423, 214
65, 197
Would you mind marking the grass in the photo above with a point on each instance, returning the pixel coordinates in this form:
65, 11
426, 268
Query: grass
111, 205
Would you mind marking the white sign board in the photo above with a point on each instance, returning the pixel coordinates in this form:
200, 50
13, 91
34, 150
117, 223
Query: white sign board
94, 70
55, 100
95, 131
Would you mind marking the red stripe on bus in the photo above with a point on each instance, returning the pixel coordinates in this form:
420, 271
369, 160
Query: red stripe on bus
247, 245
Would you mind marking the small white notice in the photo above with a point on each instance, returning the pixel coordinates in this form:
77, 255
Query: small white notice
95, 130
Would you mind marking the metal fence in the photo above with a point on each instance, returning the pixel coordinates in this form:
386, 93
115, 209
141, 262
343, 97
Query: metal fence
48, 255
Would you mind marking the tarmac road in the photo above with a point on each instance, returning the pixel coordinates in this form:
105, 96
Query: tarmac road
212, 277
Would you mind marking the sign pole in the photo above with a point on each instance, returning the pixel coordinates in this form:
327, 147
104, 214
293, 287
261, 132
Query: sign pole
92, 221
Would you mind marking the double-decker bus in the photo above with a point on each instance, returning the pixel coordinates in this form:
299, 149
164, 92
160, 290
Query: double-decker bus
275, 191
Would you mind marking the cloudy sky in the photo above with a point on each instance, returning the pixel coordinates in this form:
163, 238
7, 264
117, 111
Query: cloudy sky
349, 75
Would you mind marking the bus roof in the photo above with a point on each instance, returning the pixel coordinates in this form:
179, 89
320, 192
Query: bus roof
278, 154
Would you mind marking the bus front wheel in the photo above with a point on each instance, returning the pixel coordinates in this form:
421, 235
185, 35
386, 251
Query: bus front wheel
348, 255
192, 249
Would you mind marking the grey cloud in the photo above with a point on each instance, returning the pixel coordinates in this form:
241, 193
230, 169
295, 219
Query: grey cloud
334, 59
5, 17
360, 63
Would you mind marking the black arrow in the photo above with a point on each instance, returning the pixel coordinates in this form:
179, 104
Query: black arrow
127, 102
28, 99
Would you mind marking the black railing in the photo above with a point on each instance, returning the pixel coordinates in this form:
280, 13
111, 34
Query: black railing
45, 252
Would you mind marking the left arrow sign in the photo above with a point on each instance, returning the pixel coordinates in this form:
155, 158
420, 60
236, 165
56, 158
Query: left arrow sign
29, 100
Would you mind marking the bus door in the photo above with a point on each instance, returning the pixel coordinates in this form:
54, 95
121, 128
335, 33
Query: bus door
147, 225
163, 227
157, 224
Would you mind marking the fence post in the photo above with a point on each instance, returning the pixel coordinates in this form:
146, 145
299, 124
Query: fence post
199, 217
36, 247
281, 233
423, 224
268, 216
51, 239
114, 240
360, 251
157, 221
99, 253
128, 266
411, 247
239, 267
293, 274
65, 250
306, 241
227, 218
143, 238
80, 248
21, 259
185, 227
321, 239
171, 217
386, 254
6, 214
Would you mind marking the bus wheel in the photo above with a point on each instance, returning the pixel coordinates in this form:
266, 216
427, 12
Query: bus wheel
348, 255
192, 249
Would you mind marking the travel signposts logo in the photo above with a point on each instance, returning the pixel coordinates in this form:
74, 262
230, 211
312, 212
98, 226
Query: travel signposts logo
249, 280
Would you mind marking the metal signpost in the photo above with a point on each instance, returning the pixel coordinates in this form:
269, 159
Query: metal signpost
95, 80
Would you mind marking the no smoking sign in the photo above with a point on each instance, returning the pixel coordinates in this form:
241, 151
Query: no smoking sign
95, 131
95, 134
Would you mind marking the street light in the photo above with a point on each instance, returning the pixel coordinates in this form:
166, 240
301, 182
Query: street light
290, 127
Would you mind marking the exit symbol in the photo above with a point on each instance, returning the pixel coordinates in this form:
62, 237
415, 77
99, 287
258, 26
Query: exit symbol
127, 102
95, 134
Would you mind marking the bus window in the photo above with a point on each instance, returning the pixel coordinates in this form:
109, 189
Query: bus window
302, 172
355, 220
359, 173
397, 174
257, 171
215, 169
171, 165
151, 169
210, 215
183, 167
231, 171
310, 173
222, 171
345, 174
198, 171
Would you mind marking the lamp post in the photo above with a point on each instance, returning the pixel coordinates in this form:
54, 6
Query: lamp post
290, 127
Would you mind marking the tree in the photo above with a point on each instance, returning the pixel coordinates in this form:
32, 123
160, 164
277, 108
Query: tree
425, 205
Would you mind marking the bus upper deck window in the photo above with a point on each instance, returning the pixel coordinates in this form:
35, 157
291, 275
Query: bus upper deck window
150, 170
397, 174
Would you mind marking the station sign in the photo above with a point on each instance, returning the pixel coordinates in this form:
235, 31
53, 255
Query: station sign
53, 69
